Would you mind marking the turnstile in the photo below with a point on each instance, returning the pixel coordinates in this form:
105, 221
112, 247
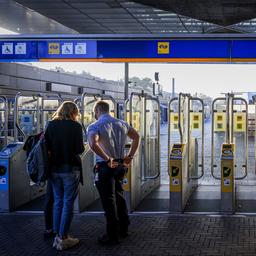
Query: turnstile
184, 117
16, 189
230, 117
142, 112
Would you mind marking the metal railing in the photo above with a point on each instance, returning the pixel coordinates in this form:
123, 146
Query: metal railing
17, 110
169, 129
96, 97
154, 99
145, 97
245, 165
202, 137
213, 165
53, 97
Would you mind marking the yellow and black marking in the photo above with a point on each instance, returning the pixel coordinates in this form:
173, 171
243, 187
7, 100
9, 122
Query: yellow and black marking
239, 122
219, 122
227, 168
176, 158
196, 120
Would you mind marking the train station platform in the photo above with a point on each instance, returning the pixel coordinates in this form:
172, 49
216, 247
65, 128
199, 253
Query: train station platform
22, 234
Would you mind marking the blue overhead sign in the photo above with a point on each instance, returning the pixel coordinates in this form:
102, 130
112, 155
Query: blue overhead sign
67, 49
183, 50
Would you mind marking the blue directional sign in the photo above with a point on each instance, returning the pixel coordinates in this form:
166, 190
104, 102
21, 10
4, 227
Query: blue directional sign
150, 50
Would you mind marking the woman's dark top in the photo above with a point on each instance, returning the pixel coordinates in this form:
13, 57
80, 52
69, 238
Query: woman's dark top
64, 139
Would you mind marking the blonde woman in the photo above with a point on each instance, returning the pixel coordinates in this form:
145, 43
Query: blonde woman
65, 142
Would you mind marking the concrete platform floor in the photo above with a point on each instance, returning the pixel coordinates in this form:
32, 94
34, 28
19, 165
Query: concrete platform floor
22, 235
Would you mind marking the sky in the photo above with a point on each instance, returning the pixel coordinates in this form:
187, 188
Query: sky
209, 79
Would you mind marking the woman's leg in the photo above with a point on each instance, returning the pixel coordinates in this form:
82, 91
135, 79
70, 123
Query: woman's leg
58, 190
70, 184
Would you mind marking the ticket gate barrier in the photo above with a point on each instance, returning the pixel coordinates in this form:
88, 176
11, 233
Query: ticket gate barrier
16, 189
142, 112
232, 119
3, 121
184, 117
88, 193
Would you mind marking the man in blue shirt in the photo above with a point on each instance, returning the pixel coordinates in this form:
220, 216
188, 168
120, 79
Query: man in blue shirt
107, 138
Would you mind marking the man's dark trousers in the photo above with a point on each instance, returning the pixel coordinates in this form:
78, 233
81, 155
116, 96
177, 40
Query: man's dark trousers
109, 185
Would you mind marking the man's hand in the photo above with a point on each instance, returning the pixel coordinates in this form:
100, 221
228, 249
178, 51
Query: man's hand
127, 160
112, 163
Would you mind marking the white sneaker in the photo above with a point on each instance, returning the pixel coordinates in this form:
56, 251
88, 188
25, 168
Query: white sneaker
59, 244
63, 244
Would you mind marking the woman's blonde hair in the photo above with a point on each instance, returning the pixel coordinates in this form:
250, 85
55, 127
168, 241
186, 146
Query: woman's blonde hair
68, 110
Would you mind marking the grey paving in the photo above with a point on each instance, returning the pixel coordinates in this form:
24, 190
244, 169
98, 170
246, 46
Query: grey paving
149, 235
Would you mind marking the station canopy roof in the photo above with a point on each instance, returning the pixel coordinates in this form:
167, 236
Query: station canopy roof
139, 16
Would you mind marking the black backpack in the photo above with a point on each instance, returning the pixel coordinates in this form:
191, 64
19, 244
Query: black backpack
37, 159
31, 142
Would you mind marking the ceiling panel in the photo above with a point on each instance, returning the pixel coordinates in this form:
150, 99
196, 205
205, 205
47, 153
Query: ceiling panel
17, 18
144, 16
221, 12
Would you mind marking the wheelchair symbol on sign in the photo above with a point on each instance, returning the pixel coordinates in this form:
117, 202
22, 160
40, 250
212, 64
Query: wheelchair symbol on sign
7, 50
67, 51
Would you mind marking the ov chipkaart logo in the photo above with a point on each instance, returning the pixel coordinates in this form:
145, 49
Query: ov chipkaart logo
163, 48
54, 48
